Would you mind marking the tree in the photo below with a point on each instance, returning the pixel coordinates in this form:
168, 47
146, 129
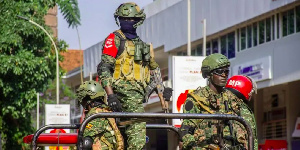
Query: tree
27, 62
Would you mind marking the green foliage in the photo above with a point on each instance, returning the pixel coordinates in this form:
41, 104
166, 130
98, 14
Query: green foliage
28, 63
70, 11
66, 93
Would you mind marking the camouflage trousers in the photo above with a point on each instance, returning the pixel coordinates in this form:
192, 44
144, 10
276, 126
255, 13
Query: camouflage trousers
131, 97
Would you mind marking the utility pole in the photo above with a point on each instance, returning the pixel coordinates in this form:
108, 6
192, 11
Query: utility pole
38, 110
56, 52
189, 27
204, 38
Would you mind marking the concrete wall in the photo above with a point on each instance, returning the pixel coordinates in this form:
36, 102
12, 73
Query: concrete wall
285, 59
168, 26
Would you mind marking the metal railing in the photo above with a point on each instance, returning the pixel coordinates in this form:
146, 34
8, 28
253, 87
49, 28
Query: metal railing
51, 126
149, 126
76, 126
165, 116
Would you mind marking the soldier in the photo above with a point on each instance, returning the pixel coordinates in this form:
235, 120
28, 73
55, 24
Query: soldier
100, 133
124, 69
211, 99
243, 87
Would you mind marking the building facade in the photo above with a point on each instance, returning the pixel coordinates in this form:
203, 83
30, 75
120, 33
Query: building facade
260, 38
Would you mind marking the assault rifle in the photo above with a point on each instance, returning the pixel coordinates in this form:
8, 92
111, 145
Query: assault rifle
156, 83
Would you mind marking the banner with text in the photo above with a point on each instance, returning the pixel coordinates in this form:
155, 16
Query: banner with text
186, 78
57, 114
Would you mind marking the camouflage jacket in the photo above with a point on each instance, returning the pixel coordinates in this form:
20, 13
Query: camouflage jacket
206, 133
104, 131
107, 65
241, 109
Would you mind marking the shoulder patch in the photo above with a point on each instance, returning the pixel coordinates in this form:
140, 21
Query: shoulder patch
89, 126
109, 47
189, 105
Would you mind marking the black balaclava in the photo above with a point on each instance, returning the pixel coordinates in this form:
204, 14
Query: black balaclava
128, 29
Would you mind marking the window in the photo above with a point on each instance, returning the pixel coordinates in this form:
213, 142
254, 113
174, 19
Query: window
179, 53
273, 27
278, 26
254, 34
243, 38
199, 50
268, 29
298, 18
291, 21
208, 49
288, 22
223, 46
274, 118
231, 45
215, 46
193, 52
228, 45
261, 31
238, 39
249, 36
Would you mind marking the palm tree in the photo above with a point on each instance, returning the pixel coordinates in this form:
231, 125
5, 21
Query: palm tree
70, 11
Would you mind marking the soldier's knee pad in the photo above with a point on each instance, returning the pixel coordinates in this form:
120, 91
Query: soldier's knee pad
87, 143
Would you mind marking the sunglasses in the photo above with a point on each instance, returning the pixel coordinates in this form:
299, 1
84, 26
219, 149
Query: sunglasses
220, 71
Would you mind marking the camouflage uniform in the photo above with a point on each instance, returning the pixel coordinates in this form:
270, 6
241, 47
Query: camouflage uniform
103, 132
207, 133
241, 109
125, 67
202, 134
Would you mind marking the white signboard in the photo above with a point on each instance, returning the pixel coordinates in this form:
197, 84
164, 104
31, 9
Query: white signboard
57, 114
259, 69
186, 76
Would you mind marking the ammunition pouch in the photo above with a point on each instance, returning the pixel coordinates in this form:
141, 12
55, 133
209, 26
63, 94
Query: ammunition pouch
142, 51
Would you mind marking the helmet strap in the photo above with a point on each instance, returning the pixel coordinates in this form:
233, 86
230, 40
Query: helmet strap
117, 22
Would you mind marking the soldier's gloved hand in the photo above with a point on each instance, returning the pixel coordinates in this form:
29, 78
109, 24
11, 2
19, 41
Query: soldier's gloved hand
114, 103
167, 93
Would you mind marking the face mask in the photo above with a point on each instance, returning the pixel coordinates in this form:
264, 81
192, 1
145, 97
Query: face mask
128, 29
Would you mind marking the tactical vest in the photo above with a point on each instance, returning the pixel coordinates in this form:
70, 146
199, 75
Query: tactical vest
132, 64
213, 105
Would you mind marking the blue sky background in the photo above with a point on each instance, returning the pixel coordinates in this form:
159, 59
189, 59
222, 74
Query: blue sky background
97, 21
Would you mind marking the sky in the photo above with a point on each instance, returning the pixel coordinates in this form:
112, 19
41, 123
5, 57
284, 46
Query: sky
97, 22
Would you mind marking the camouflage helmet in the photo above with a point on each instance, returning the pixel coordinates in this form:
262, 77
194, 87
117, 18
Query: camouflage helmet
213, 61
89, 88
130, 10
